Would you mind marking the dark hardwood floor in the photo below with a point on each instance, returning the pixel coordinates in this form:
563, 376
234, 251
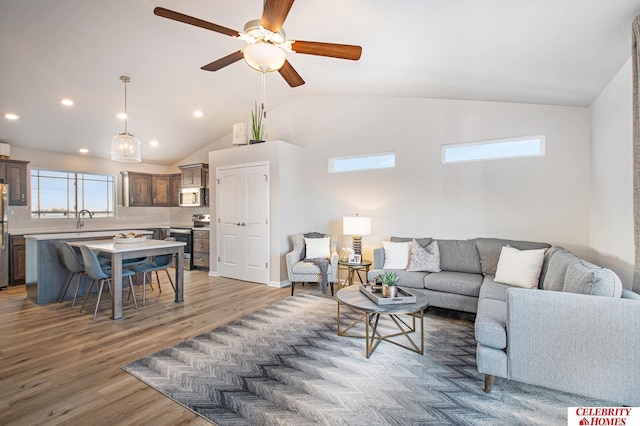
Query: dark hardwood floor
58, 366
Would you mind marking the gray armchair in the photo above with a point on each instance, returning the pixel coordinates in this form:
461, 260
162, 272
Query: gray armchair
301, 270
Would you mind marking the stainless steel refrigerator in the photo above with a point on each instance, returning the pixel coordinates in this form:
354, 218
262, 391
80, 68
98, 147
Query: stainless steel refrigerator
4, 236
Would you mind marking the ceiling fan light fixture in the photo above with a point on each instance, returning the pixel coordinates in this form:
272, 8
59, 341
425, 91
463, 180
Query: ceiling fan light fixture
124, 146
264, 57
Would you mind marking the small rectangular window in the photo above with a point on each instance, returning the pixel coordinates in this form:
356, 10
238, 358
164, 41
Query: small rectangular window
385, 160
527, 146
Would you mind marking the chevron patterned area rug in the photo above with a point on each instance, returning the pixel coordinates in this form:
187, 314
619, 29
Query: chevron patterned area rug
285, 365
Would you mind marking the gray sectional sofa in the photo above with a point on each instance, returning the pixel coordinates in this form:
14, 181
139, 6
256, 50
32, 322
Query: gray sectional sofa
579, 332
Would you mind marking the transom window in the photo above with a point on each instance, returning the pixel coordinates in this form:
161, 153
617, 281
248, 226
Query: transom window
61, 194
526, 146
384, 160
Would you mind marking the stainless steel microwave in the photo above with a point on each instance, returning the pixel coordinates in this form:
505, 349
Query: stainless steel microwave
193, 197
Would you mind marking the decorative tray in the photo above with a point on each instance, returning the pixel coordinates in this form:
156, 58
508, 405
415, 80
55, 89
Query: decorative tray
374, 292
129, 240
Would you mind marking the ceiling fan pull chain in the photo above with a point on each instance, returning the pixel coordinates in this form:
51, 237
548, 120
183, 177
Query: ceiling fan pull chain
264, 94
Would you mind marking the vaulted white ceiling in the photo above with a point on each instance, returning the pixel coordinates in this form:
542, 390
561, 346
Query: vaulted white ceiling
560, 52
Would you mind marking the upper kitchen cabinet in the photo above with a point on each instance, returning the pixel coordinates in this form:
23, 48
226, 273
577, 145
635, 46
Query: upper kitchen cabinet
195, 175
147, 190
175, 182
160, 189
15, 174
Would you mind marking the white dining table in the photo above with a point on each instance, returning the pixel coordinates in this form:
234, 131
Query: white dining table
120, 252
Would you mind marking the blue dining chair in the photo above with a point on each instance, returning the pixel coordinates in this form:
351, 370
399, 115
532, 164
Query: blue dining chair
102, 274
73, 262
158, 263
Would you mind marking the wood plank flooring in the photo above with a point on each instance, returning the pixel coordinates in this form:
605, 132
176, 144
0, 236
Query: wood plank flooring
58, 366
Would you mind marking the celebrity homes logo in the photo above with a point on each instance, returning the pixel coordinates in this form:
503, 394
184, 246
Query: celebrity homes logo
603, 416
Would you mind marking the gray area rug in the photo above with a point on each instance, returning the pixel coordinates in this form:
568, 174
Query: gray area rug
285, 365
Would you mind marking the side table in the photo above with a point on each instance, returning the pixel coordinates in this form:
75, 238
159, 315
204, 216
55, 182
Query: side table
354, 269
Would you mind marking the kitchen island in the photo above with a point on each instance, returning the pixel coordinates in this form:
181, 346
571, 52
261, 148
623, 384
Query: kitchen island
46, 274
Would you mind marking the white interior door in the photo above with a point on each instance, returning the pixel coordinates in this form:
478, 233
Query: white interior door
242, 205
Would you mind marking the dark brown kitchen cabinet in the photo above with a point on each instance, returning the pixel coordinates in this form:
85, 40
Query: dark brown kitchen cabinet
195, 175
175, 183
139, 189
17, 268
160, 186
15, 174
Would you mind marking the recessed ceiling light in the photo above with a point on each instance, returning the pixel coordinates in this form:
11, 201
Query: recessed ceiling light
154, 143
66, 102
83, 150
11, 116
198, 114
122, 116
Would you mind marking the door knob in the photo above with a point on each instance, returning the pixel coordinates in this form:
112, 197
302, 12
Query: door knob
243, 224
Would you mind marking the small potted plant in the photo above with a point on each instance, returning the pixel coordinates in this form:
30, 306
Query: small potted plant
257, 131
389, 282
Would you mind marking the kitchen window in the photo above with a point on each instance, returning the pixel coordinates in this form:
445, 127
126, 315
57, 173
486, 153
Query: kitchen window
61, 194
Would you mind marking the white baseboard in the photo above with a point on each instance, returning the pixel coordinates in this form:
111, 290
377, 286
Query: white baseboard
279, 284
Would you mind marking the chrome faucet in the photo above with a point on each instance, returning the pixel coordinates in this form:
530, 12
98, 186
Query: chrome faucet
81, 213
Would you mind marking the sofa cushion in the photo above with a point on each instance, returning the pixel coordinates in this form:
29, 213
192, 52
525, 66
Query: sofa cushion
586, 278
545, 265
454, 282
493, 290
405, 279
424, 241
426, 259
459, 256
519, 268
396, 255
491, 323
556, 269
489, 250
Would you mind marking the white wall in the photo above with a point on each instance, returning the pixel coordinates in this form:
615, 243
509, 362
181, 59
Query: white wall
540, 199
611, 224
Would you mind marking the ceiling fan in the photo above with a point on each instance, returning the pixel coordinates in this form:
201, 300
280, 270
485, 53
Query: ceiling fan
267, 43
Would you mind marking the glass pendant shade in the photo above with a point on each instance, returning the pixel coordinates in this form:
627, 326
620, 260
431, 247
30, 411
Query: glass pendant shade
264, 57
125, 147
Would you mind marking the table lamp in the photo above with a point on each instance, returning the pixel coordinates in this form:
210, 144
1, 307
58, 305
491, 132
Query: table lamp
356, 226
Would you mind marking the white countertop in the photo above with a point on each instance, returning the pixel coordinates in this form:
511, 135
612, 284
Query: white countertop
84, 234
17, 230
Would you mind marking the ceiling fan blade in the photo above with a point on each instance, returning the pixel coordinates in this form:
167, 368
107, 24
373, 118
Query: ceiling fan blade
177, 16
223, 62
341, 51
274, 14
290, 75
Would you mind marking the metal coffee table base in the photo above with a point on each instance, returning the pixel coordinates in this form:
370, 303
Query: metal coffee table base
372, 335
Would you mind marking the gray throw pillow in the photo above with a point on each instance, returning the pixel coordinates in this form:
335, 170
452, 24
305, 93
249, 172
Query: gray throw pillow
489, 250
586, 278
424, 259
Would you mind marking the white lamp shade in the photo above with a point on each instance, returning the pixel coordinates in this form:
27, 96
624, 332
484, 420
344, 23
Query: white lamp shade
356, 225
264, 57
126, 148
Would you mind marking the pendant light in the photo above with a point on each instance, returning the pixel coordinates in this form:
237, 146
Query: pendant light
124, 146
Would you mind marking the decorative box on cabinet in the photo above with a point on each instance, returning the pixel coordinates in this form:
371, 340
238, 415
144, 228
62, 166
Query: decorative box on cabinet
201, 248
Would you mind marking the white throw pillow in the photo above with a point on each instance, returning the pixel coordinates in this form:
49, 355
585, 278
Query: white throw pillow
317, 248
519, 268
396, 255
